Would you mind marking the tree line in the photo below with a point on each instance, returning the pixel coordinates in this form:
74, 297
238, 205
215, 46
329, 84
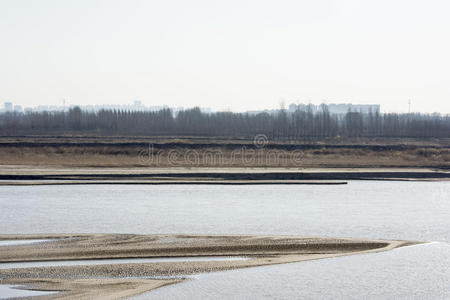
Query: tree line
299, 124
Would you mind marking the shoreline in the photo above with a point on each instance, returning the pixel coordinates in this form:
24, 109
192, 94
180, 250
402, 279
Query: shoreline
168, 182
39, 175
104, 280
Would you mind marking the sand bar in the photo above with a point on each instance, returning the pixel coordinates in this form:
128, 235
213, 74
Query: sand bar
116, 281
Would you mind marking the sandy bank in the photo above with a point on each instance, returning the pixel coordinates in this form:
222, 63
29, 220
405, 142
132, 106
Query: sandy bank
122, 280
14, 175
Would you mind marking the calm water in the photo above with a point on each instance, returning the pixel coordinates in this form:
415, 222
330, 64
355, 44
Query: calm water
418, 272
391, 210
11, 291
21, 242
397, 210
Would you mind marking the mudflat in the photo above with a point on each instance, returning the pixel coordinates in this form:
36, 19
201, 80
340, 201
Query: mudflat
50, 175
115, 281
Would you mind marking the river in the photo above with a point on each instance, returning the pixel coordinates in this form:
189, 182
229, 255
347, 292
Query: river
363, 209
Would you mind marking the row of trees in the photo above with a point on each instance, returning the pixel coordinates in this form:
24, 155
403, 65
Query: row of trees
300, 124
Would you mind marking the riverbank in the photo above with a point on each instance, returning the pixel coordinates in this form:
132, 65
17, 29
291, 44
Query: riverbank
48, 175
124, 280
216, 152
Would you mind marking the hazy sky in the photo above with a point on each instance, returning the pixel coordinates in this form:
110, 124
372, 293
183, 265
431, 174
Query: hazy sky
228, 54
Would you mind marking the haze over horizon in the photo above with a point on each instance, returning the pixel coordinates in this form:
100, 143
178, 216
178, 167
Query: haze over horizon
233, 55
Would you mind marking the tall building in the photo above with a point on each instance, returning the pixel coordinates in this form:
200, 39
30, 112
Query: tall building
341, 108
8, 106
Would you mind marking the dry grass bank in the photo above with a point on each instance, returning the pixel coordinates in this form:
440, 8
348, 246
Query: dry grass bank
219, 153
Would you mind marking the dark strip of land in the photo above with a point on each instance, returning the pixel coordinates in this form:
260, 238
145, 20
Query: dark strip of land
236, 177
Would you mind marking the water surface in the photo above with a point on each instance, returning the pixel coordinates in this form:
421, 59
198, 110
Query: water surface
21, 242
364, 209
418, 272
13, 291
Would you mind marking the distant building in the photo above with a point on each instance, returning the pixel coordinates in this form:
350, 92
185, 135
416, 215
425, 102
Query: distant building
8, 106
362, 108
341, 108
135, 106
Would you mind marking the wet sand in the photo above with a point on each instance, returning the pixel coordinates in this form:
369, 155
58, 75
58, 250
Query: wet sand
33, 175
124, 280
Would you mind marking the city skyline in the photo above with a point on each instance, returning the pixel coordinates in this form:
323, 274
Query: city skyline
233, 55
334, 108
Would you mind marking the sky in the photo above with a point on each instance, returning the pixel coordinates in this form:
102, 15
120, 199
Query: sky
226, 55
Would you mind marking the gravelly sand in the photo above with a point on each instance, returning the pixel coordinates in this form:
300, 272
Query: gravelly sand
123, 280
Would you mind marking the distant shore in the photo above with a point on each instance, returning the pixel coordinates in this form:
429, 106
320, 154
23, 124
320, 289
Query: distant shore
217, 152
48, 175
50, 160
